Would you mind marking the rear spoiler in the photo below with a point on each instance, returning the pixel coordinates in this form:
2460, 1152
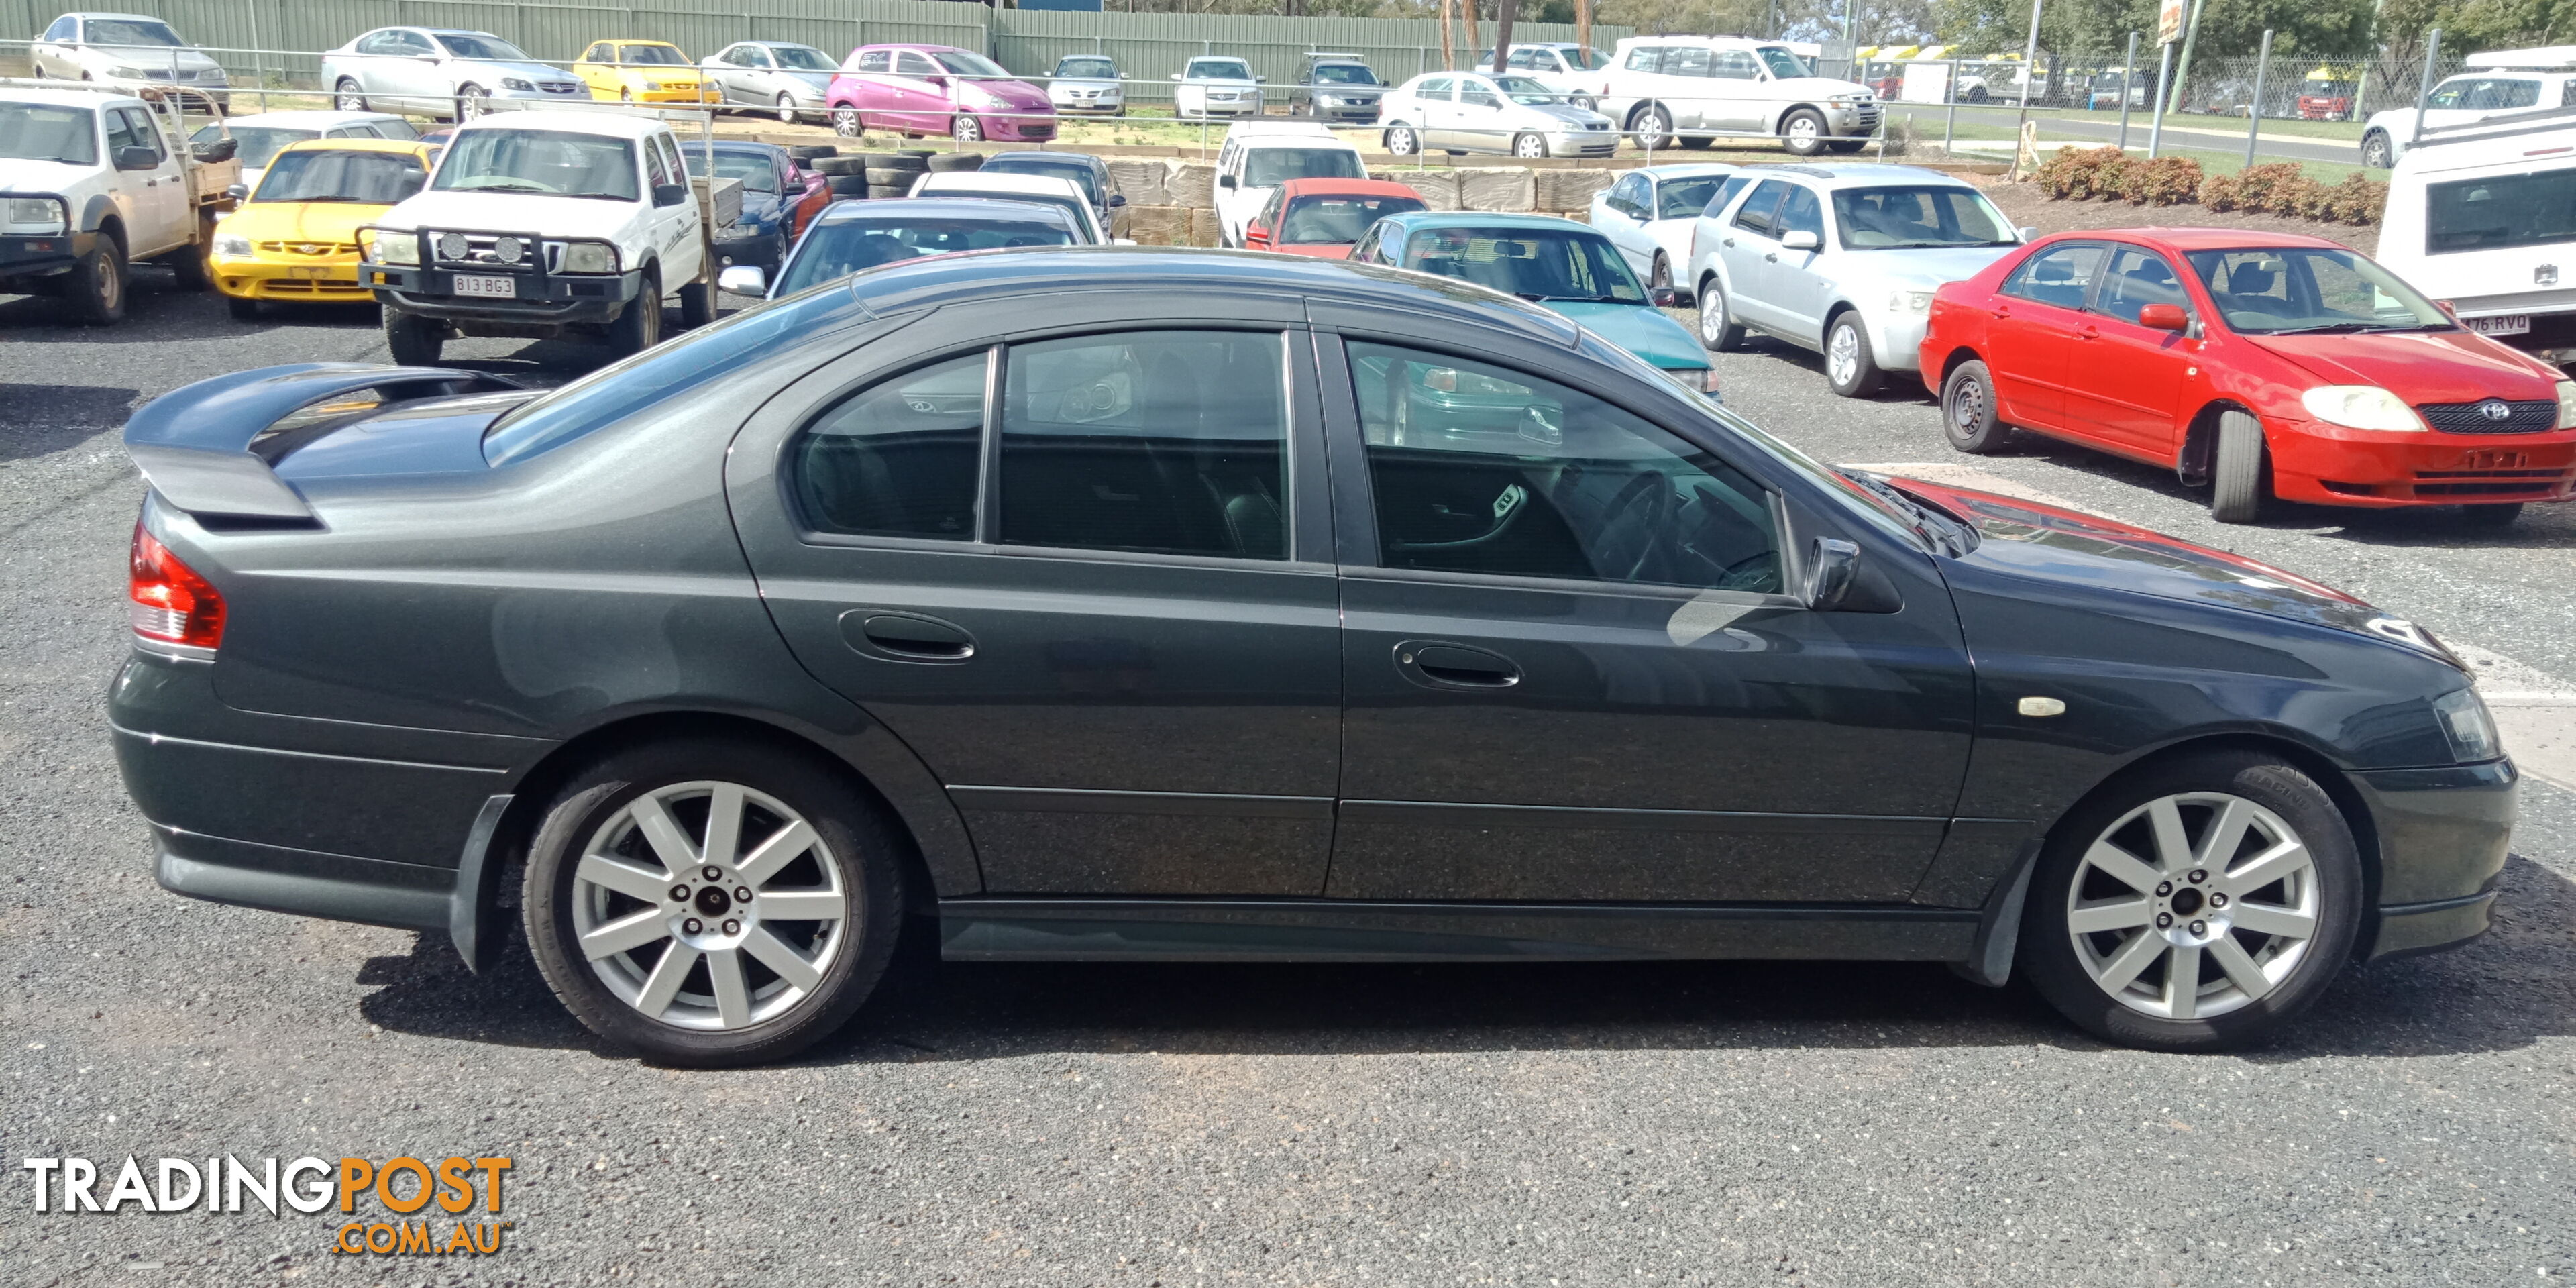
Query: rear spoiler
193, 443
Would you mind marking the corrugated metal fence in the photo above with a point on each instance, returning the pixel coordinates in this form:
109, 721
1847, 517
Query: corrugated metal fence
1148, 46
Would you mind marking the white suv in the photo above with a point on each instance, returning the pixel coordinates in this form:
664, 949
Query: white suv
1258, 156
1702, 88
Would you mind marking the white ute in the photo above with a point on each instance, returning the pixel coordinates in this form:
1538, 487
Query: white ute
542, 224
92, 181
2483, 218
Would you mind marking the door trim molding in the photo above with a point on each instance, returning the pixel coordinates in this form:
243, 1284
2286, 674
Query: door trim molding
1442, 814
1076, 800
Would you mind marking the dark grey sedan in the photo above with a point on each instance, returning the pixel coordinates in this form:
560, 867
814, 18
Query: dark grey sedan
1121, 604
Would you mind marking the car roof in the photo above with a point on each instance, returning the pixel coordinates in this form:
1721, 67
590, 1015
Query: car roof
977, 181
611, 124
131, 17
318, 119
851, 212
1345, 188
2191, 239
622, 41
917, 45
1255, 133
1059, 158
1689, 169
776, 44
1424, 219
1858, 174
413, 147
66, 97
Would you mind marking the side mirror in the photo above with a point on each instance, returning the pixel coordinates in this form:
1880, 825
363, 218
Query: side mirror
1225, 181
1664, 297
2026, 233
670, 194
1799, 240
1117, 199
2449, 310
1260, 80
1831, 565
1256, 235
2164, 317
743, 279
238, 191
136, 157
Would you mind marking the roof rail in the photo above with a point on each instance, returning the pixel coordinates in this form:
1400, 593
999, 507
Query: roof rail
2511, 125
1321, 53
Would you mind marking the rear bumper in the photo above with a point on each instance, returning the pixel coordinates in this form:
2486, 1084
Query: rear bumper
2329, 465
2443, 836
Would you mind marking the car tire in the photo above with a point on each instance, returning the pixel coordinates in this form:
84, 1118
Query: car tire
639, 326
94, 290
348, 96
966, 128
849, 185
2263, 927
413, 340
1660, 273
890, 177
2378, 151
846, 122
1846, 146
1851, 370
2490, 517
591, 868
698, 304
787, 109
1802, 132
1586, 102
242, 309
471, 101
1402, 141
2241, 479
1968, 411
1527, 145
1651, 127
191, 264
1718, 330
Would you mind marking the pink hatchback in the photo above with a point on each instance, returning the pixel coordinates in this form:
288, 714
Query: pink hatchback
936, 89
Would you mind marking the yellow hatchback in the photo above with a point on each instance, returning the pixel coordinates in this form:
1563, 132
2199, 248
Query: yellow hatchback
644, 71
295, 237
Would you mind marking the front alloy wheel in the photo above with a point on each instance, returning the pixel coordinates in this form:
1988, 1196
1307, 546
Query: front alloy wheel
1400, 141
845, 122
967, 129
1803, 133
471, 102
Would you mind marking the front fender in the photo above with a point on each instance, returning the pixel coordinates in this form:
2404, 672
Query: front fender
95, 212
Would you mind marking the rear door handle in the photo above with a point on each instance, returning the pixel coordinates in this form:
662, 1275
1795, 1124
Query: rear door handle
2088, 331
1442, 665
1773, 257
905, 637
1730, 241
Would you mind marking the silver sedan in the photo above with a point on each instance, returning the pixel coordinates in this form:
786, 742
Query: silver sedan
775, 75
1468, 112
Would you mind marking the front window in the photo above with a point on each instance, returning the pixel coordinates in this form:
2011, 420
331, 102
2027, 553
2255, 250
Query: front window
1584, 60
836, 250
1344, 74
801, 58
1683, 198
255, 145
540, 161
1075, 173
2305, 289
1337, 221
132, 32
651, 56
364, 178
1911, 218
1270, 167
2534, 209
1784, 65
757, 171
479, 46
959, 62
1219, 69
42, 132
1521, 89
1087, 69
1542, 264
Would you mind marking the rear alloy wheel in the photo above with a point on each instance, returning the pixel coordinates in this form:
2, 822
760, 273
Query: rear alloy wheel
2200, 904
1968, 411
413, 340
1526, 144
711, 905
1401, 141
1718, 332
845, 122
1661, 273
1850, 369
966, 129
2241, 480
787, 108
2377, 151
1803, 132
347, 97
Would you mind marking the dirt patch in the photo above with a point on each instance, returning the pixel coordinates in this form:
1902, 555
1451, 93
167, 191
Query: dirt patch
2024, 203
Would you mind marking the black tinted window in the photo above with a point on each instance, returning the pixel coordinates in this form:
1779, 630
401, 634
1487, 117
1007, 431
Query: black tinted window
2507, 210
840, 249
899, 459
1165, 441
1481, 469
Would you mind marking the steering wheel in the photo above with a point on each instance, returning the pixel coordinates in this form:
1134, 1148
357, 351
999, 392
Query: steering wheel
1648, 489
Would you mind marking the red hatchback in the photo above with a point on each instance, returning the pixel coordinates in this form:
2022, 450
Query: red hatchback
1325, 217
2287, 367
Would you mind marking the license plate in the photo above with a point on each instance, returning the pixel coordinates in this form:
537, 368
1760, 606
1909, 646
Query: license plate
501, 288
308, 272
2494, 460
2504, 324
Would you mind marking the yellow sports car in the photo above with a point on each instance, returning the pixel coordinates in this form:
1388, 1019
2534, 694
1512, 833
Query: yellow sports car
644, 71
295, 236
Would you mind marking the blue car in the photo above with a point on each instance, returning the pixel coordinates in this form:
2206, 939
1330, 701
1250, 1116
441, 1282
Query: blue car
774, 190
1559, 265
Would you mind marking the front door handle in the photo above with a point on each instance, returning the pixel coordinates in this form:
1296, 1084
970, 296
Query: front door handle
1729, 241
1773, 257
1441, 665
905, 637
2088, 331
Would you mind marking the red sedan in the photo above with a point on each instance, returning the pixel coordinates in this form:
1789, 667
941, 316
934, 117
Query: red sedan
1325, 217
2261, 367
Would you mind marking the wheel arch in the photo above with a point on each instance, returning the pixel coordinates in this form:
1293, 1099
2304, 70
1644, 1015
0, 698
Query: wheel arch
1780, 119
1958, 354
2199, 451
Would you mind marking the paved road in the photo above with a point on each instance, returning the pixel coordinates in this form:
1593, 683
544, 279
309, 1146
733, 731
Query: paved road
2204, 133
1706, 1123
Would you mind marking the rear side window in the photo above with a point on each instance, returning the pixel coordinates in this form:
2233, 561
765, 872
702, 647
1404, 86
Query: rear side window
1755, 216
898, 459
2060, 275
1646, 58
874, 60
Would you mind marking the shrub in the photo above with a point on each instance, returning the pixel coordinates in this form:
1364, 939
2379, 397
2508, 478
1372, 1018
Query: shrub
2357, 201
2221, 192
2257, 185
2164, 181
2078, 174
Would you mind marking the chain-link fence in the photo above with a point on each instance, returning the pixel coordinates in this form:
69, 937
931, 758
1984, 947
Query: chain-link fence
2294, 86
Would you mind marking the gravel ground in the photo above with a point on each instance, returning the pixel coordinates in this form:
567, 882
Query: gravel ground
1695, 1123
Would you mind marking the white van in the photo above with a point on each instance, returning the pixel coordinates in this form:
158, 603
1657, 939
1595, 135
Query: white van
2505, 80
1702, 88
1258, 156
2486, 222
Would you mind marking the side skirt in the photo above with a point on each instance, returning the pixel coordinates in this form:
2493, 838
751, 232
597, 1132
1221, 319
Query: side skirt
1331, 930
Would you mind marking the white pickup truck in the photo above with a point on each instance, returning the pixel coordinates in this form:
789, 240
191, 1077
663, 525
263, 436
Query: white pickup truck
2478, 218
544, 224
94, 181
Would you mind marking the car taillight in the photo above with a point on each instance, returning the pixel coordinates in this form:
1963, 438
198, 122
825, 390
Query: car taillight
168, 601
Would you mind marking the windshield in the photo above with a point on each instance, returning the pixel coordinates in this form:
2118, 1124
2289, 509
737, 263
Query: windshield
126, 31
1522, 89
1583, 60
650, 56
2281, 292
1783, 64
1091, 68
839, 249
1270, 167
255, 144
477, 45
2507, 210
802, 58
1682, 198
1337, 220
1534, 263
966, 64
368, 178
1343, 74
756, 171
1912, 218
547, 161
1081, 176
43, 132
1218, 69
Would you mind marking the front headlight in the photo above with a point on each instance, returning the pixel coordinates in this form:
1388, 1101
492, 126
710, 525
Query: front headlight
213, 76
2360, 407
2567, 404
589, 257
651, 85
36, 215
232, 245
400, 249
128, 73
1917, 302
513, 82
1698, 380
2466, 723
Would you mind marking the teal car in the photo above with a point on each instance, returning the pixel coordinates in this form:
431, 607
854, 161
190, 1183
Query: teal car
1558, 264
